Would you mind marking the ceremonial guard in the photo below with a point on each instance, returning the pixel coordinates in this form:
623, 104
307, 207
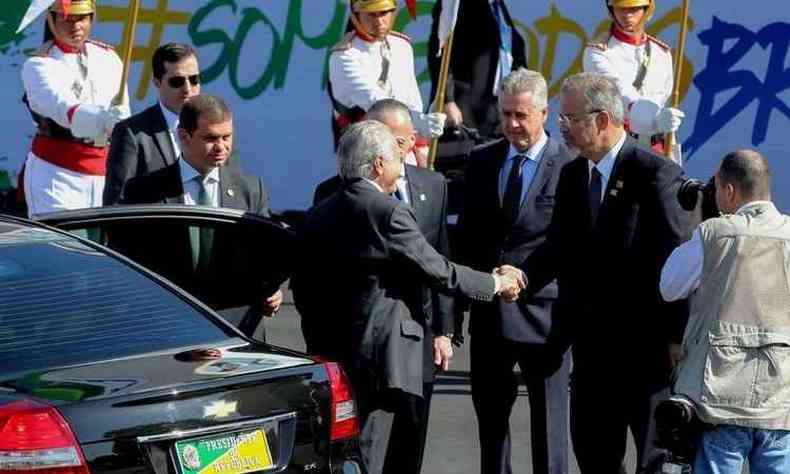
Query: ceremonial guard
642, 67
70, 83
371, 63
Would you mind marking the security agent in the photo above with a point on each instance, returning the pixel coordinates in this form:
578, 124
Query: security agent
736, 368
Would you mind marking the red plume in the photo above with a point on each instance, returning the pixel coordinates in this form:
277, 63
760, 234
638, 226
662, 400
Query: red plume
412, 6
65, 6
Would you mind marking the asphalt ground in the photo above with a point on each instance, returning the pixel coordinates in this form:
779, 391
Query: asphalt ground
452, 445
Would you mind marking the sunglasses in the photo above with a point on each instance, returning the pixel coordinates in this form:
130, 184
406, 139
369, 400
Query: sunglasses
177, 82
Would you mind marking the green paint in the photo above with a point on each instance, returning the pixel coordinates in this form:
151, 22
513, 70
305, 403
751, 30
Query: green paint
280, 52
10, 17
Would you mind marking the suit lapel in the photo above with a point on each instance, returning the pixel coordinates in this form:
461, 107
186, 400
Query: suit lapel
542, 173
162, 136
229, 195
614, 186
417, 197
500, 155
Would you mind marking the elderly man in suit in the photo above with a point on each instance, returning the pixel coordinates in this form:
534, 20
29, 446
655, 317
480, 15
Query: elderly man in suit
615, 222
486, 48
364, 254
425, 191
509, 200
148, 141
201, 177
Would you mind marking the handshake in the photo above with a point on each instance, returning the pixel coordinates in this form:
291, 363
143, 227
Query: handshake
509, 282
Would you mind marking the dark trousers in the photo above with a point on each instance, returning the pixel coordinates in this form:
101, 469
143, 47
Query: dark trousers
494, 391
394, 429
605, 403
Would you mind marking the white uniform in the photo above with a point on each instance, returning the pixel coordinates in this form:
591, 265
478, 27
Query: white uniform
71, 93
355, 70
621, 60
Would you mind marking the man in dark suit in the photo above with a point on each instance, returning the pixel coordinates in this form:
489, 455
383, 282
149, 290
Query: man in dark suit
148, 141
201, 177
615, 222
364, 255
486, 48
509, 199
425, 191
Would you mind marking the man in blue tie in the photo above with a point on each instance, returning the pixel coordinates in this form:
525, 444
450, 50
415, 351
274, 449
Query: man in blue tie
509, 200
486, 47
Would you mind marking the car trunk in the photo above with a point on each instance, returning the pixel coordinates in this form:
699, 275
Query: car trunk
226, 403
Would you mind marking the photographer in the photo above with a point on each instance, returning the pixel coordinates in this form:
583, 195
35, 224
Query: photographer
736, 362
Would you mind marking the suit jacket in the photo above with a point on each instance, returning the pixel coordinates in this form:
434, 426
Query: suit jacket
608, 271
428, 193
140, 145
474, 62
485, 242
359, 286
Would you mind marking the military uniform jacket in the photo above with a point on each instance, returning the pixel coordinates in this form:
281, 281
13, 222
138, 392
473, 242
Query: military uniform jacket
355, 72
59, 82
620, 57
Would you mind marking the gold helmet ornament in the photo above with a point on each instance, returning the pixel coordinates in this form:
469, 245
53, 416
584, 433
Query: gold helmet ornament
74, 7
649, 6
372, 6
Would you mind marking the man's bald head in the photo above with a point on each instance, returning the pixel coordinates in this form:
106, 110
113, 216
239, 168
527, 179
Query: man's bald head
748, 172
397, 117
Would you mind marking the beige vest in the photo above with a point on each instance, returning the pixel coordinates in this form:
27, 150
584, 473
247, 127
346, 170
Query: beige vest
737, 343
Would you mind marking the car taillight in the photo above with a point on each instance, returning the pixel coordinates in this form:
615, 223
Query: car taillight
34, 437
344, 422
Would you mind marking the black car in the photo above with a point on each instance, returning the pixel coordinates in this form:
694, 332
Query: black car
107, 367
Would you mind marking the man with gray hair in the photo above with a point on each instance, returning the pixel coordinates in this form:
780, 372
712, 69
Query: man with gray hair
425, 191
735, 367
615, 222
509, 200
363, 253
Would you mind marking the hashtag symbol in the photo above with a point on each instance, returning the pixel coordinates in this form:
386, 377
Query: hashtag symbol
158, 18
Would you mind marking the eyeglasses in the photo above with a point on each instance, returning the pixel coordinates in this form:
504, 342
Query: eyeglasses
575, 119
177, 82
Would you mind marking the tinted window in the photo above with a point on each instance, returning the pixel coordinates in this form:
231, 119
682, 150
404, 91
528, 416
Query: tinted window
63, 303
245, 260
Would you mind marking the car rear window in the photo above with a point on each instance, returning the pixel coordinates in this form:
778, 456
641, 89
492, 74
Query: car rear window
63, 303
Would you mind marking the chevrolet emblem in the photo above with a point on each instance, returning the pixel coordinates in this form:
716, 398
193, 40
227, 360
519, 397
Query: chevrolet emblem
219, 409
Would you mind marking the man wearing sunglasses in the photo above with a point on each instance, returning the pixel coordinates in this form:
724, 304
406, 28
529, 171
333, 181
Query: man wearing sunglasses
148, 141
70, 84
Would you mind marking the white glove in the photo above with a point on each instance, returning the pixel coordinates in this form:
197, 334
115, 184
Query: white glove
95, 122
429, 125
112, 116
668, 120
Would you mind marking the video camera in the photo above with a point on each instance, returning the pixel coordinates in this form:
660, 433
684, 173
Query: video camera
677, 431
689, 192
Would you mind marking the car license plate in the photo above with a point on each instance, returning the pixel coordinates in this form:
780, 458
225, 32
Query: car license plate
229, 453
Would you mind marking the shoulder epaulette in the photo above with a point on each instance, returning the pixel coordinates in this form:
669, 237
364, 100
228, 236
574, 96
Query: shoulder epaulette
102, 45
400, 35
601, 41
345, 43
660, 43
43, 50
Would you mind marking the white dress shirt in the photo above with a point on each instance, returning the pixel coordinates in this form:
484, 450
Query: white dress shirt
682, 271
190, 177
606, 165
534, 154
172, 126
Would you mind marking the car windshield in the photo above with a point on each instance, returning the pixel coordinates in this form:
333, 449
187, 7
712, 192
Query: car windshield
64, 303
